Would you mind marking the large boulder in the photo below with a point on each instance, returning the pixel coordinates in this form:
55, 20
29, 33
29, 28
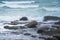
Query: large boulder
24, 18
31, 24
47, 18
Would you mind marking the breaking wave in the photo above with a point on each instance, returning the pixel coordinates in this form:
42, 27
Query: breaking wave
51, 8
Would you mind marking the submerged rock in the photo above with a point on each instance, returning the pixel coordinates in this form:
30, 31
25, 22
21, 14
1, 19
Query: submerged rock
31, 24
7, 27
47, 18
24, 19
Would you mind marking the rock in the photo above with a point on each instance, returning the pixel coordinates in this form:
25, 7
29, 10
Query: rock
55, 26
22, 27
7, 27
47, 18
14, 22
24, 19
57, 36
31, 24
50, 39
58, 23
28, 34
17, 33
34, 36
40, 31
43, 29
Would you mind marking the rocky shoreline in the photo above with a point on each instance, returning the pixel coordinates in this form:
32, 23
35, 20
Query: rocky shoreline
50, 27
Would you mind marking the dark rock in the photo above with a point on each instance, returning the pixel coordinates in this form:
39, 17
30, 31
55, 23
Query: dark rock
40, 31
24, 18
7, 27
47, 18
57, 36
34, 36
15, 33
14, 23
50, 39
42, 38
58, 23
22, 27
31, 24
28, 34
43, 29
55, 26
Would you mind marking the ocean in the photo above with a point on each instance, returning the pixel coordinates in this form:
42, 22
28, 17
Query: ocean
33, 9
29, 8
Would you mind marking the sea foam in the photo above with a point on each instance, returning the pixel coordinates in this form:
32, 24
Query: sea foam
52, 8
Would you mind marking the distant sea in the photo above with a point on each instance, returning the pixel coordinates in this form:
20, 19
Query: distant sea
13, 9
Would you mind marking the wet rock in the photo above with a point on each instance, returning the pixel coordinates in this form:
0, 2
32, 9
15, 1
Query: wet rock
47, 18
42, 29
57, 36
22, 27
7, 27
24, 19
50, 39
34, 36
42, 37
17, 33
28, 34
31, 24
58, 23
55, 26
14, 22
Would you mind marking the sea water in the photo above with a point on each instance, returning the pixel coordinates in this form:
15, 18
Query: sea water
29, 8
33, 9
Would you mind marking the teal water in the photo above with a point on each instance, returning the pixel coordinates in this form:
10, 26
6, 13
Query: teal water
46, 7
41, 8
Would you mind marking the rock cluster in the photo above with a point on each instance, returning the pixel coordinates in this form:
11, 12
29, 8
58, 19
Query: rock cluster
44, 28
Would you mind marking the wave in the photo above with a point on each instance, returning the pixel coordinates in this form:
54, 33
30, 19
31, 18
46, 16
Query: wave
22, 6
19, 6
17, 2
51, 8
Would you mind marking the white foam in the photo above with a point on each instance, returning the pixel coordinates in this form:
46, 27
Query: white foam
52, 8
17, 2
21, 6
1, 5
12, 18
